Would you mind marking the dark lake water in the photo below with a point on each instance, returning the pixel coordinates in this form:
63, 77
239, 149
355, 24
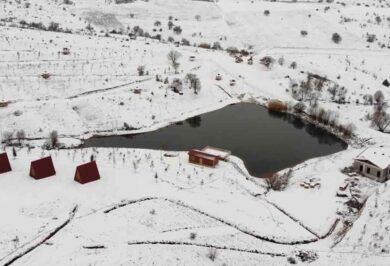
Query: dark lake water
265, 141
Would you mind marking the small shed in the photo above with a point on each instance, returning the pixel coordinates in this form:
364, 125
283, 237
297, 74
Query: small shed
374, 163
42, 168
202, 158
86, 173
5, 166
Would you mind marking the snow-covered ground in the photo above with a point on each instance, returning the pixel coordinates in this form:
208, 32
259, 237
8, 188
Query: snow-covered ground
187, 212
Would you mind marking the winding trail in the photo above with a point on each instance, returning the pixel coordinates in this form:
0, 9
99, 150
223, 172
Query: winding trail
179, 243
239, 228
42, 241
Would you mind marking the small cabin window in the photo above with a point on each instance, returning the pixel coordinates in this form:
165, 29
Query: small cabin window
378, 174
368, 170
361, 168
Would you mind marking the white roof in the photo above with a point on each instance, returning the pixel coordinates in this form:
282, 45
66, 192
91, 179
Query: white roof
378, 156
216, 152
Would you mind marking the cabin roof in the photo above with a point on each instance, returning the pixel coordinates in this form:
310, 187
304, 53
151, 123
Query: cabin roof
4, 163
88, 171
377, 156
43, 167
202, 154
223, 154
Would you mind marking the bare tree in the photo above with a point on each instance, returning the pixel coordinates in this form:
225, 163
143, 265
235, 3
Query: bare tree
267, 61
53, 137
279, 182
173, 58
194, 82
341, 95
177, 85
141, 70
20, 135
379, 99
212, 253
381, 120
7, 137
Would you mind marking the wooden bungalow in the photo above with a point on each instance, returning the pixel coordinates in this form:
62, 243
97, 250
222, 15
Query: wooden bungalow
202, 158
42, 168
373, 163
5, 166
86, 173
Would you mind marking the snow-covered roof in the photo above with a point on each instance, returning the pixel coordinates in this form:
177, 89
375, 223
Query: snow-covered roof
223, 154
378, 156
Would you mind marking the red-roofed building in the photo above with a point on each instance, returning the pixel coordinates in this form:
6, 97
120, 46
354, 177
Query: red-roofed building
86, 173
202, 158
5, 166
42, 168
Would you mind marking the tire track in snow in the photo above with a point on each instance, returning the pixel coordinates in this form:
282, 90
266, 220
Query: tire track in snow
179, 243
230, 224
107, 89
46, 238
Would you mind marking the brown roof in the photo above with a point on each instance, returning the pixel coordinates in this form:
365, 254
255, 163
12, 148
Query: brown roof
42, 168
4, 163
87, 173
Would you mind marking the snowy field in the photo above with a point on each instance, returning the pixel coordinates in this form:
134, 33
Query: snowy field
149, 208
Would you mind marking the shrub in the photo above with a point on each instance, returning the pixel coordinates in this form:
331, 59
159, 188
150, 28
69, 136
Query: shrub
173, 58
212, 254
7, 137
232, 50
177, 85
53, 26
381, 120
53, 138
299, 107
293, 65
267, 61
177, 30
279, 182
216, 46
277, 106
379, 99
192, 235
371, 38
141, 70
348, 130
204, 45
185, 42
303, 32
170, 25
194, 82
20, 135
336, 38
